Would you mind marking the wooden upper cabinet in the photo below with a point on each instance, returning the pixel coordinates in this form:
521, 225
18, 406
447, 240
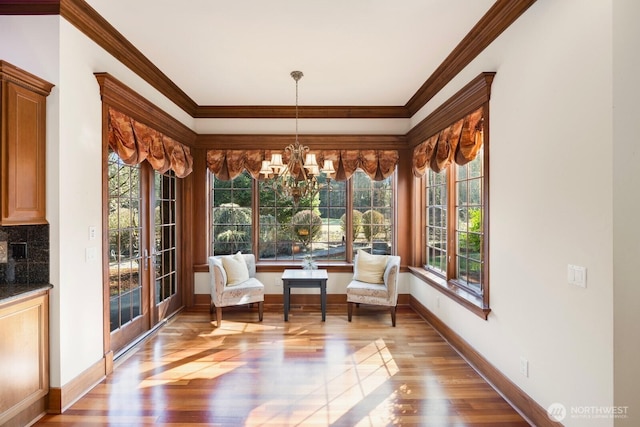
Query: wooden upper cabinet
23, 151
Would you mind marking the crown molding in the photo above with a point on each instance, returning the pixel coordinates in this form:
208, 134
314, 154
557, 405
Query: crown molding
116, 94
497, 19
98, 29
472, 96
305, 112
317, 142
20, 77
29, 7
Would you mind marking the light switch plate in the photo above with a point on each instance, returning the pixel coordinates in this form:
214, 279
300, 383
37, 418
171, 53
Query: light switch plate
577, 275
3, 252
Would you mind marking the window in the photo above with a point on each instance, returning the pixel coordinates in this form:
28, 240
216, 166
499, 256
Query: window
231, 213
372, 216
317, 227
455, 245
313, 228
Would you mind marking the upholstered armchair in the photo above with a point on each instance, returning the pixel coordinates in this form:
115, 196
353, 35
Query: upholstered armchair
233, 282
375, 281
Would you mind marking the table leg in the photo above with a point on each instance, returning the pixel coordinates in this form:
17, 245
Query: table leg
287, 295
323, 299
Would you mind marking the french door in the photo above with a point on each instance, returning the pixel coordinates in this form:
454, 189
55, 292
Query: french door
141, 271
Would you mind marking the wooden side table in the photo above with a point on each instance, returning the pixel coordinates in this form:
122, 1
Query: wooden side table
304, 279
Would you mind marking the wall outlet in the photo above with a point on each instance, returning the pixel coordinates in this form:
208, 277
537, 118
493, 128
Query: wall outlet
524, 367
4, 252
91, 254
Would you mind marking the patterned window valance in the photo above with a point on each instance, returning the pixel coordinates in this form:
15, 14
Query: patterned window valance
135, 142
378, 164
458, 143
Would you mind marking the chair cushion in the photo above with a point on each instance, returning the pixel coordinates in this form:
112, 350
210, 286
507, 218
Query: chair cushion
364, 290
369, 268
236, 268
249, 291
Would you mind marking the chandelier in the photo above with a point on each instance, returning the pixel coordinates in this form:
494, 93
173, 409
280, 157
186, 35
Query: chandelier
298, 178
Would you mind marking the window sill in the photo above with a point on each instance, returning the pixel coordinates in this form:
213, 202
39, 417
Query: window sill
279, 267
469, 301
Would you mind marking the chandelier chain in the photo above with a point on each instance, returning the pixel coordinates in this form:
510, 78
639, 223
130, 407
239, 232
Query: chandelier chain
298, 178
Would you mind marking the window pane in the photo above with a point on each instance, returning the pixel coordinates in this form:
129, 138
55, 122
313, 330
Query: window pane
469, 228
164, 261
374, 201
231, 214
436, 222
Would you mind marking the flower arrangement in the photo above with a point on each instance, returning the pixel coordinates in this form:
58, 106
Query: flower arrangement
308, 263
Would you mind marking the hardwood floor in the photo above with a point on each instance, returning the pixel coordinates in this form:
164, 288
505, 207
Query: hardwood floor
298, 373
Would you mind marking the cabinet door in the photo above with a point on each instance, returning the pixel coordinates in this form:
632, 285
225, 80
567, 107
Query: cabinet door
23, 153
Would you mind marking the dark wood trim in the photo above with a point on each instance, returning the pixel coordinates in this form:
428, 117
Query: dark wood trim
404, 233
118, 95
29, 414
200, 211
473, 95
524, 404
466, 299
202, 301
194, 206
318, 142
106, 302
60, 398
486, 206
98, 29
304, 112
22, 78
498, 18
29, 7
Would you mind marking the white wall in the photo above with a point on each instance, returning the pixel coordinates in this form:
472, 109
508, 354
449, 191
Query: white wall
626, 205
79, 193
336, 284
32, 44
550, 205
53, 49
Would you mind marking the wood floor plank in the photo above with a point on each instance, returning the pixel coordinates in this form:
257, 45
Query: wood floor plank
303, 372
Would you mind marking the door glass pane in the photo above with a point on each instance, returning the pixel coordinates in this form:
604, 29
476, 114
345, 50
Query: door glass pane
124, 242
164, 245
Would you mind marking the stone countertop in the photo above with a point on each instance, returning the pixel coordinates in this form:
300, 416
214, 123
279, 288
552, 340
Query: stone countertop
14, 291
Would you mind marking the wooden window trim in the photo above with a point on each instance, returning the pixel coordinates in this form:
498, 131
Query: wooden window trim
278, 266
478, 305
475, 94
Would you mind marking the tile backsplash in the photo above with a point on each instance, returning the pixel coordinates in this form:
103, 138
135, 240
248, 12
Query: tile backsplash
30, 265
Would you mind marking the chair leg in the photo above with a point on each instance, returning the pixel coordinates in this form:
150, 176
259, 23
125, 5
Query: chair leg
349, 310
393, 316
218, 316
260, 310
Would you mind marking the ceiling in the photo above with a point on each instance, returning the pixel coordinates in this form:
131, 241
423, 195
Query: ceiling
241, 52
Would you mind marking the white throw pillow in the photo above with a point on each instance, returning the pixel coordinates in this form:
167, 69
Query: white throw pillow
236, 269
370, 268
